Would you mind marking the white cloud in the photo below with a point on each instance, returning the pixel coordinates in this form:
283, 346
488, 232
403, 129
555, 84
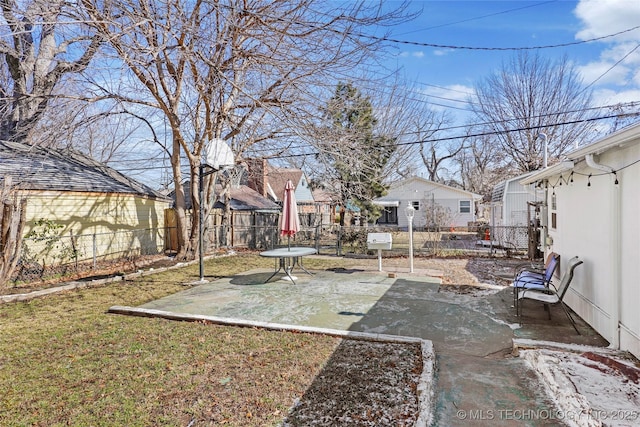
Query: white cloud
636, 78
611, 97
603, 17
408, 54
613, 75
602, 73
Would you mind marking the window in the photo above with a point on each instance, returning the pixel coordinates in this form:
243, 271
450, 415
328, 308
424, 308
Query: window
465, 206
416, 205
389, 215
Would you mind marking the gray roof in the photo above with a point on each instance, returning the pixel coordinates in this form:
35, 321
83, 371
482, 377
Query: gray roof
243, 198
35, 168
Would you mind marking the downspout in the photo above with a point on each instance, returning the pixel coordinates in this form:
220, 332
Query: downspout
616, 252
545, 210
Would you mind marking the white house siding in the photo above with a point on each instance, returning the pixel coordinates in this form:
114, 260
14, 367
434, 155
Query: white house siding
583, 229
426, 193
601, 224
516, 199
512, 208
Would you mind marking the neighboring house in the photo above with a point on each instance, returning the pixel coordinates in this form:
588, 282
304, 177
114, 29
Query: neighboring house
435, 204
593, 200
325, 206
252, 215
270, 181
103, 209
254, 219
243, 198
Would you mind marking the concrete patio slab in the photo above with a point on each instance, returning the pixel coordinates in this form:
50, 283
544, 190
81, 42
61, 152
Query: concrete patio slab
472, 332
335, 300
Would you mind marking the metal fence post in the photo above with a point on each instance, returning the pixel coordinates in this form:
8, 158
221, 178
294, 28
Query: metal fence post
95, 250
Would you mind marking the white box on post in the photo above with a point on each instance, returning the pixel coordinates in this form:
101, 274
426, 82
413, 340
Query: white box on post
379, 241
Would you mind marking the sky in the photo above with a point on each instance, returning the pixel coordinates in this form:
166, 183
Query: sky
432, 51
611, 66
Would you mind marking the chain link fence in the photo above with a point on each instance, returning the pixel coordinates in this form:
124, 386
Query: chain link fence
47, 256
333, 239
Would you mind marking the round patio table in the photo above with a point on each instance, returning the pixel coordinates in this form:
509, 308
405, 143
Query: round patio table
287, 259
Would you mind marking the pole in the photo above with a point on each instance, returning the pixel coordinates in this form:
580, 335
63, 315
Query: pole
201, 212
411, 245
201, 228
545, 148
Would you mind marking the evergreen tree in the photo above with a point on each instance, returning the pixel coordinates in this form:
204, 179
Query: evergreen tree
356, 154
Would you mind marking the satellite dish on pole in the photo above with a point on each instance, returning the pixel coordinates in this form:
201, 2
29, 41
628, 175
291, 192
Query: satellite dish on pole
219, 155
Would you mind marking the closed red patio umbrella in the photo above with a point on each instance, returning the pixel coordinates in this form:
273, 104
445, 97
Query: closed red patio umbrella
289, 221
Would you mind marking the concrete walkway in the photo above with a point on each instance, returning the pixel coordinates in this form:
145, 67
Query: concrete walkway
478, 381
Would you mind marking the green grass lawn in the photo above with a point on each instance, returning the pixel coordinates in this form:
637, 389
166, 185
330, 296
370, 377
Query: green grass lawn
65, 361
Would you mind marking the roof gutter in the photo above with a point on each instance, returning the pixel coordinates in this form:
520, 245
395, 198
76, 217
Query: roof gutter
589, 158
543, 174
387, 203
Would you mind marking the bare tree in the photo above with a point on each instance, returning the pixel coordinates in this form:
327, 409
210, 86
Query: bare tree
42, 46
416, 125
481, 165
530, 95
625, 115
229, 70
434, 154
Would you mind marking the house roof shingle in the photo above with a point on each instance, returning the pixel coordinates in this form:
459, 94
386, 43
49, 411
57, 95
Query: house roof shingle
243, 198
278, 177
35, 168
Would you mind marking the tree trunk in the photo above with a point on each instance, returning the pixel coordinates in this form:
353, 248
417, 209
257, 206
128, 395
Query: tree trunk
180, 204
12, 217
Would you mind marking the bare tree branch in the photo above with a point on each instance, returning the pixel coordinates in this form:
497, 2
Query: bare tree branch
242, 72
530, 92
39, 52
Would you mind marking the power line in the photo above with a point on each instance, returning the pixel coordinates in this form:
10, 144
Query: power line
472, 125
611, 68
444, 88
479, 17
475, 135
456, 47
434, 45
410, 143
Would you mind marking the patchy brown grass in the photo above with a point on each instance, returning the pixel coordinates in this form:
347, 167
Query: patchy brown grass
64, 361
